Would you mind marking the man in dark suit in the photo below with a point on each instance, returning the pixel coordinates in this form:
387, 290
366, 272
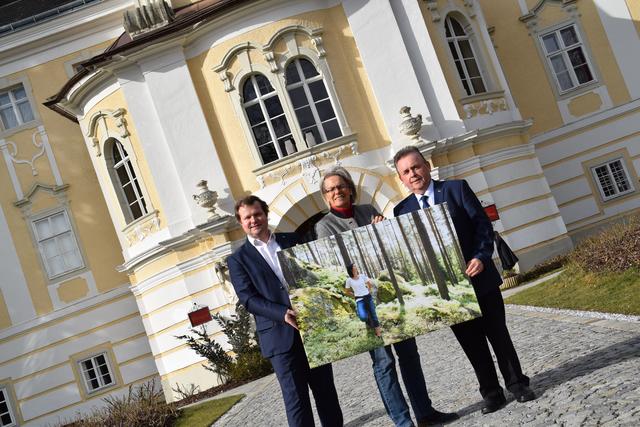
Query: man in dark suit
476, 241
258, 280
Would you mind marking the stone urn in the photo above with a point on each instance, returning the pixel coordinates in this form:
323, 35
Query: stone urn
207, 199
410, 125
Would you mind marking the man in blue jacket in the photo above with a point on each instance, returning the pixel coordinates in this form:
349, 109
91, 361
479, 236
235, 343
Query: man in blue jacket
476, 241
258, 280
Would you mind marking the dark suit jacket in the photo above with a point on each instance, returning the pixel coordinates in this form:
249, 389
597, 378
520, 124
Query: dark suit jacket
260, 291
472, 225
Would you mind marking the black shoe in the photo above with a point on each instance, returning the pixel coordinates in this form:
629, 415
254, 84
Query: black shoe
493, 403
437, 417
523, 394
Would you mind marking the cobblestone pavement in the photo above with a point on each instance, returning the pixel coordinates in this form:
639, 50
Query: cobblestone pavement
586, 372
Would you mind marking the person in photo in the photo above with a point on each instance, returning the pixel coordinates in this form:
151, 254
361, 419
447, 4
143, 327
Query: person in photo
361, 287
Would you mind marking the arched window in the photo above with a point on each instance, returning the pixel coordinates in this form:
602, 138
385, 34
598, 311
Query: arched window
464, 57
311, 102
127, 183
267, 119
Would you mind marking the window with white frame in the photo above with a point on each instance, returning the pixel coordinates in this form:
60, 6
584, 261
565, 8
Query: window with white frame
464, 57
96, 372
311, 102
612, 179
567, 58
267, 119
57, 244
15, 108
127, 183
7, 418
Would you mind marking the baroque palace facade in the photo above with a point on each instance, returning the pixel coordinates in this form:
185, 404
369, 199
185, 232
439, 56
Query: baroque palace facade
112, 112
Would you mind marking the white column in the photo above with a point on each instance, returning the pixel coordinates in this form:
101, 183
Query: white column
13, 284
624, 41
426, 66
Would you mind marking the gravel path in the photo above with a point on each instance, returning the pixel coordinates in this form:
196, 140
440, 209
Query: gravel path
585, 369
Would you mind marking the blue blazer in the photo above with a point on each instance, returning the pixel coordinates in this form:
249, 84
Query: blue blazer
472, 225
262, 294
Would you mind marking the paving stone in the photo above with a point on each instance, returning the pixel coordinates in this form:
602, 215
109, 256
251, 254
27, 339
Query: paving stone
584, 373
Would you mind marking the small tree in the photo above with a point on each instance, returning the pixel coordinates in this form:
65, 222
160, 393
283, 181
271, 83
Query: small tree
248, 362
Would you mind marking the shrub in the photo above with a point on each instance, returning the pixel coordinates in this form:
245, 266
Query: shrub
615, 249
544, 268
143, 406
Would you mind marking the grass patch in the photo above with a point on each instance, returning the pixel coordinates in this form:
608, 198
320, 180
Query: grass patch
206, 413
576, 289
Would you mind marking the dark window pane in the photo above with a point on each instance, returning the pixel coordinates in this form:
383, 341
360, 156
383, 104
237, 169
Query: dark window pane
3, 406
248, 92
264, 86
280, 126
135, 210
273, 106
298, 97
261, 134
569, 36
6, 419
4, 98
447, 32
466, 86
318, 91
305, 118
268, 153
106, 378
472, 68
94, 384
478, 85
325, 110
583, 73
291, 73
116, 153
86, 365
122, 175
465, 49
309, 139
128, 193
307, 68
576, 57
254, 114
331, 129
460, 70
454, 52
457, 28
135, 181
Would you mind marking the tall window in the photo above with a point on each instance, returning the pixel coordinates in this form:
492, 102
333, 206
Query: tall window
311, 102
15, 109
128, 182
57, 244
612, 179
96, 372
267, 119
464, 57
566, 57
6, 414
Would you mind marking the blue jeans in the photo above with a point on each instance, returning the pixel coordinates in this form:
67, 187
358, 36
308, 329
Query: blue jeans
384, 371
366, 310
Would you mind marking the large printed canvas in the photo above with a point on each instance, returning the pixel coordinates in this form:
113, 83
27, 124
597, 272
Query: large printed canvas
417, 284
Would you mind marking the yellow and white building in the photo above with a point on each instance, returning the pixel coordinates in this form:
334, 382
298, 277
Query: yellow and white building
110, 117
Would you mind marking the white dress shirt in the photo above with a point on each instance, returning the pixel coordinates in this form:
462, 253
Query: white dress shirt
269, 252
429, 193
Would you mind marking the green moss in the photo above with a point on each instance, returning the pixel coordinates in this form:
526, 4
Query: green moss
206, 413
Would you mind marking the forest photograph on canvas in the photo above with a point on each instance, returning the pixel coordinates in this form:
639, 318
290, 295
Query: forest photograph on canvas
408, 280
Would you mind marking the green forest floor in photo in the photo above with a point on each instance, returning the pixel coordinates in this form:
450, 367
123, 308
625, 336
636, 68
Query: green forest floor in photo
206, 413
575, 289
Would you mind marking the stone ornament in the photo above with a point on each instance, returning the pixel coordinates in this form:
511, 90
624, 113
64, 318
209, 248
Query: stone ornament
485, 107
142, 230
38, 142
146, 16
207, 199
410, 125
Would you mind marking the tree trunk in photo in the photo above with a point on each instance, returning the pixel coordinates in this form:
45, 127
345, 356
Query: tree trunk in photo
428, 274
443, 249
364, 265
419, 271
387, 262
402, 257
343, 250
431, 256
458, 251
375, 249
313, 249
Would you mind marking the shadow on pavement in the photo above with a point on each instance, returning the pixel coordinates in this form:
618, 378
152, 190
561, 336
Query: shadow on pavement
366, 417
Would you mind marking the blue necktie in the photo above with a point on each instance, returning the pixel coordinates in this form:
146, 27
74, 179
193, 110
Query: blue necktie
425, 201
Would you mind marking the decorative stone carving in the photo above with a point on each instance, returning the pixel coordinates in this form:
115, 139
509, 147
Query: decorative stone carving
334, 155
310, 172
101, 116
146, 16
354, 148
432, 5
281, 173
486, 106
469, 5
207, 199
318, 44
410, 125
260, 180
270, 57
225, 77
141, 229
38, 142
